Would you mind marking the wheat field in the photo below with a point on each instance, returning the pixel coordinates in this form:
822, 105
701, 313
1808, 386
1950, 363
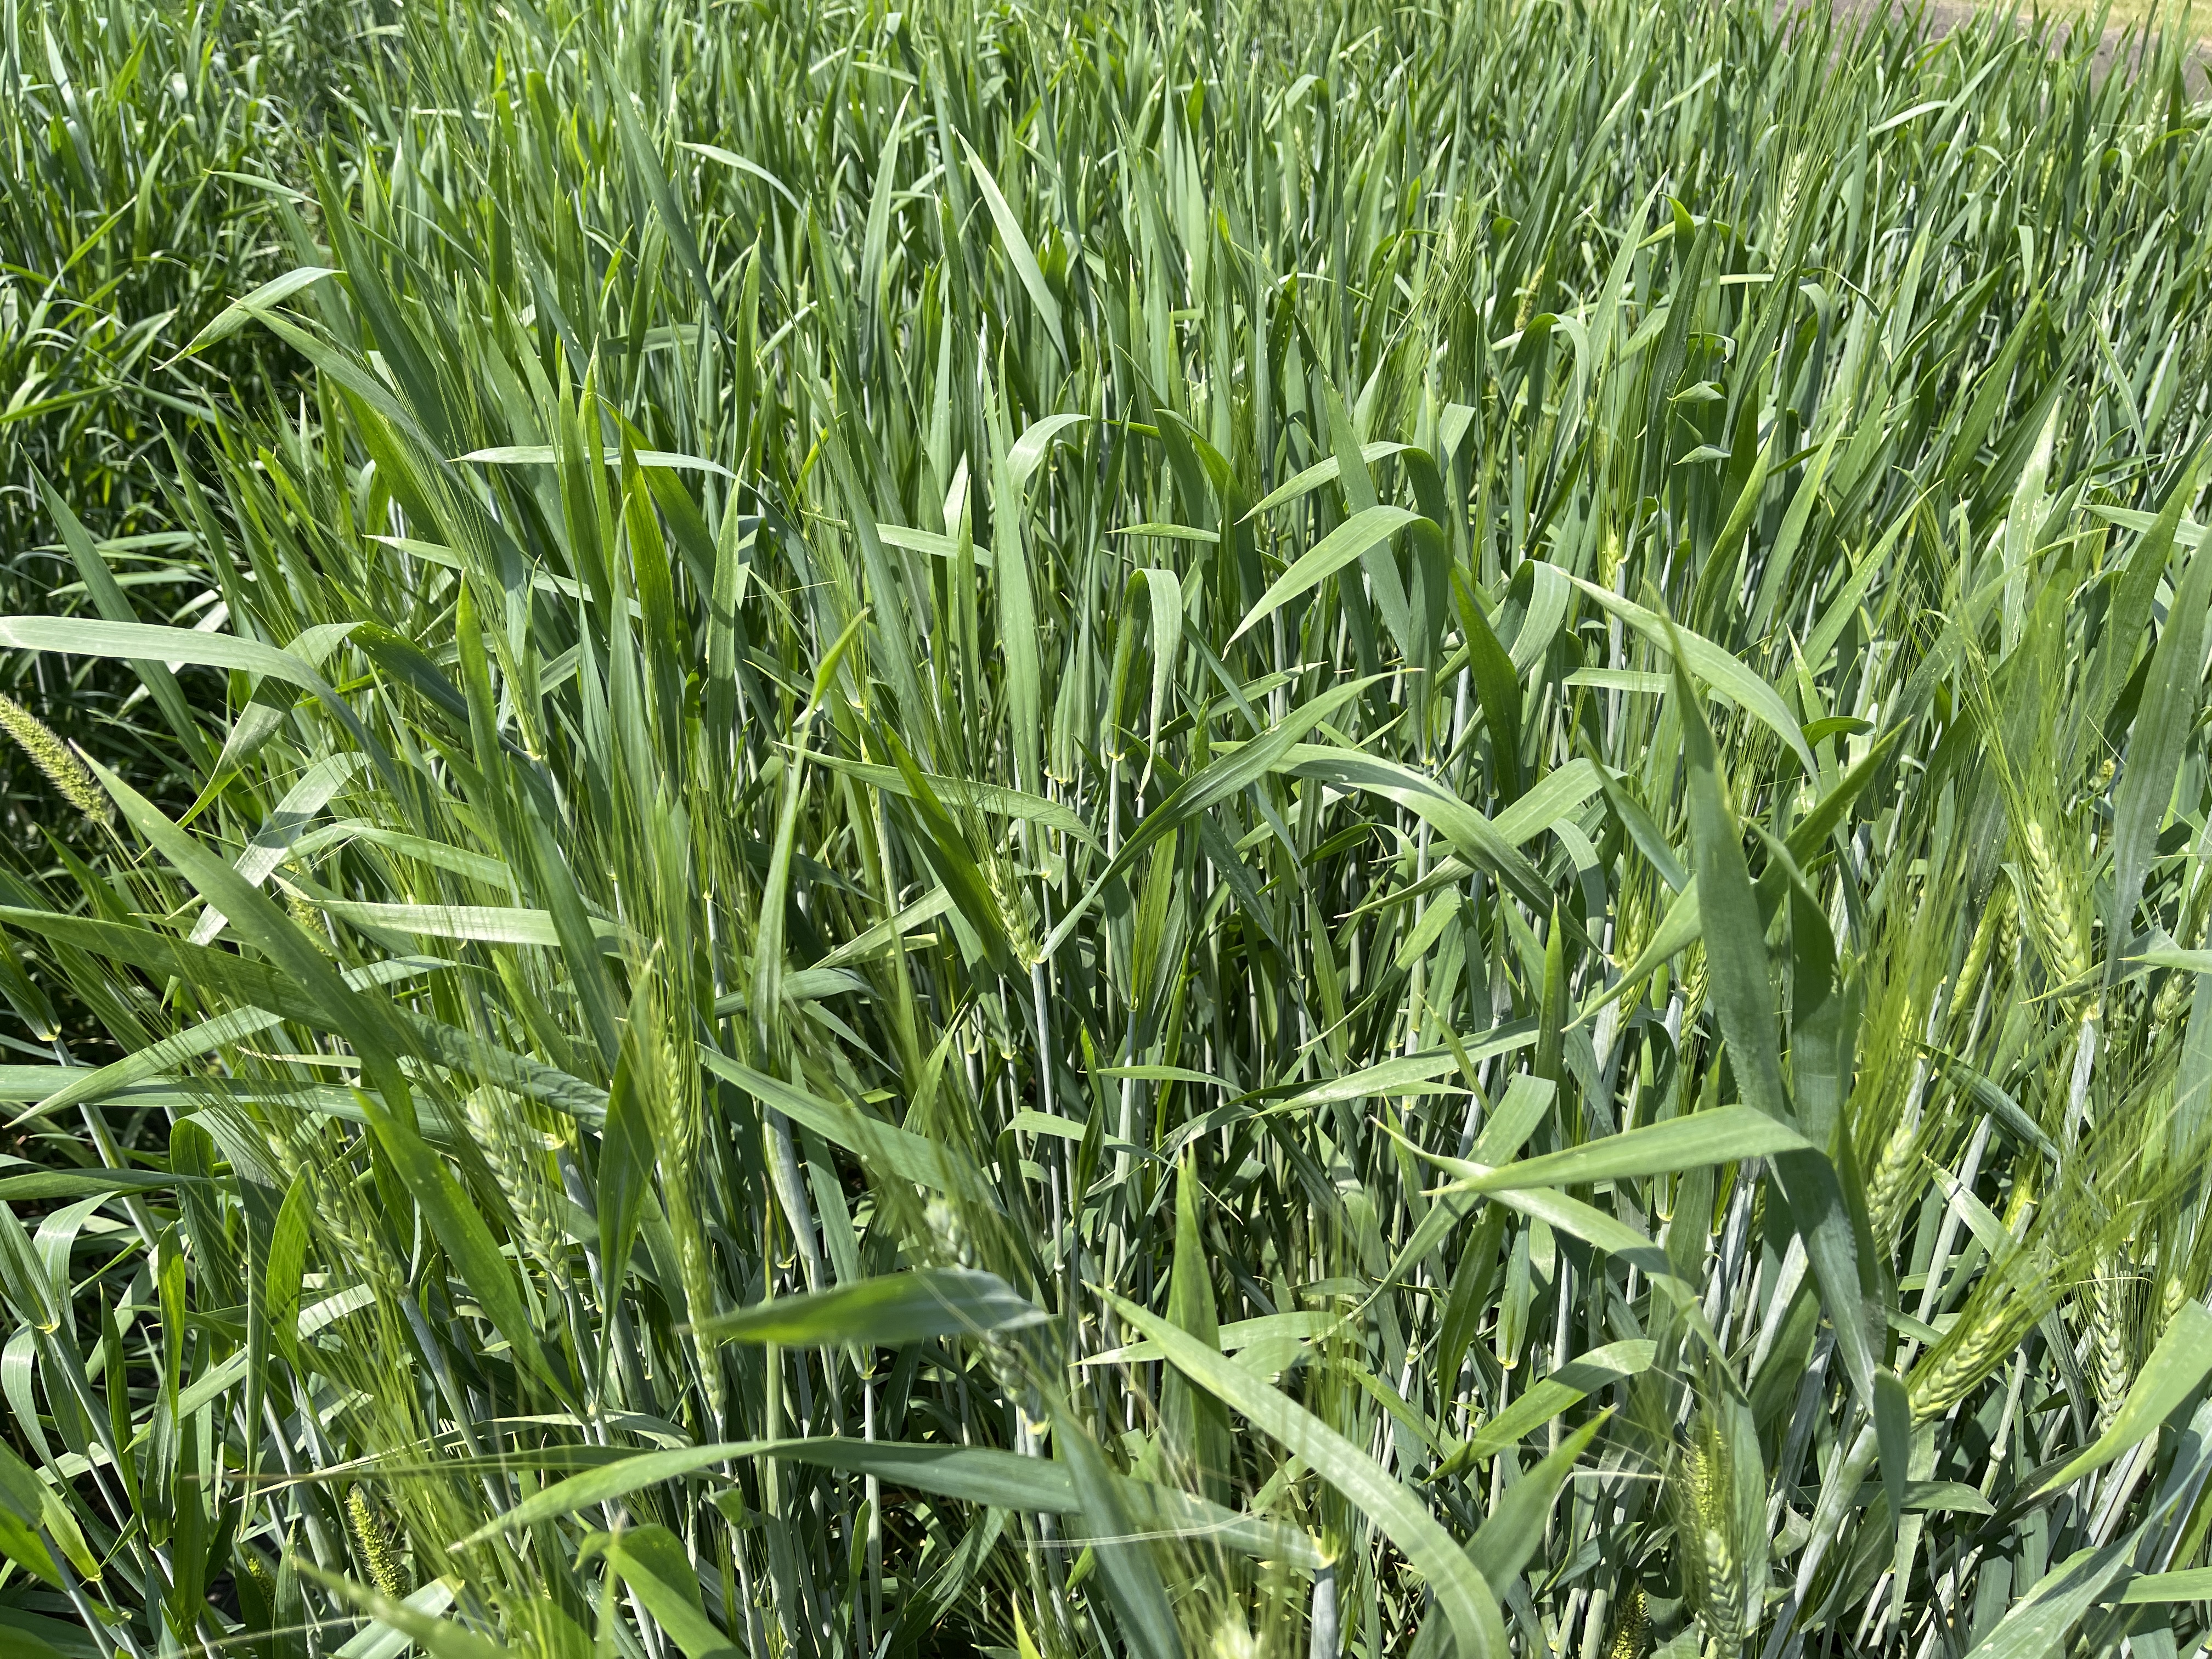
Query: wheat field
1180, 828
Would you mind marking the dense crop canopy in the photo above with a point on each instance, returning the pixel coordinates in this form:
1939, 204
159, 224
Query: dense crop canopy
1090, 830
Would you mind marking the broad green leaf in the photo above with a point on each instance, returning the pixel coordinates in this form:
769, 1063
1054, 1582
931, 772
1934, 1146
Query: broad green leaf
732, 158
1323, 471
644, 163
610, 1483
1556, 798
1549, 596
1743, 996
81, 637
2164, 719
1514, 1529
39, 1186
1616, 1237
485, 924
2037, 1623
651, 1563
1369, 528
1268, 1329
461, 1229
1146, 1621
1549, 1395
1473, 836
1722, 1134
546, 455
1194, 1421
239, 311
2188, 1585
1459, 1587
994, 799
1496, 685
1726, 676
872, 941
896, 1152
441, 1639
1029, 451
1230, 775
628, 1163
22, 1504
254, 916
1020, 253
2168, 1377
883, 1312
378, 1640
971, 1474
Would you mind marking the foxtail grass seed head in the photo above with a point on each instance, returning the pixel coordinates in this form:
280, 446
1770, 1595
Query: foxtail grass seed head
309, 920
2101, 780
1632, 1628
374, 1539
71, 778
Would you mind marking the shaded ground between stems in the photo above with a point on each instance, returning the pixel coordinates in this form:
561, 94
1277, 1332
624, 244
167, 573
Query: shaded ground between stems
2124, 43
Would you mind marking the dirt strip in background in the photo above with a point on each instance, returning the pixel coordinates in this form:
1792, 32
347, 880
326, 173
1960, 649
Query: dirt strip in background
2123, 41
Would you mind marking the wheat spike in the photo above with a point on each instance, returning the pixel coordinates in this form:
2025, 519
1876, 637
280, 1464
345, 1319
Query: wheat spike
516, 1152
2050, 900
1712, 1575
1785, 209
1609, 554
1528, 295
1694, 981
2175, 996
1982, 949
338, 1215
2171, 1294
1999, 1309
2112, 1358
1892, 1168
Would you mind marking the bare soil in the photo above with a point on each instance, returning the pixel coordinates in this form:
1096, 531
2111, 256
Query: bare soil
2124, 45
